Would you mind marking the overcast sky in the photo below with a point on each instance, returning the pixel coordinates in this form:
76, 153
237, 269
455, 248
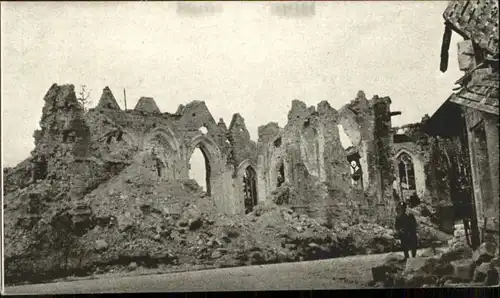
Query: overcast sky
241, 59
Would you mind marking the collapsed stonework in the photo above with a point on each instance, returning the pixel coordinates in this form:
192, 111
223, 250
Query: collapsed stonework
109, 187
303, 159
367, 123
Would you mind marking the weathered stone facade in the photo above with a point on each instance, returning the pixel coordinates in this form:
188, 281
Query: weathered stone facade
80, 146
367, 123
305, 157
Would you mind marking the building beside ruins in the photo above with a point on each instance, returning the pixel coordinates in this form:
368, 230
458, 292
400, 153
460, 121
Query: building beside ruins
469, 117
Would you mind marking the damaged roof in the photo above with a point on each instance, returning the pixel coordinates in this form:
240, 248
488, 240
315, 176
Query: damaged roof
475, 20
482, 95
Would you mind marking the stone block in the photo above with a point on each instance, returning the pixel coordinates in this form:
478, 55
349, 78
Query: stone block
457, 253
101, 245
463, 269
414, 265
437, 266
485, 253
459, 233
492, 276
380, 273
495, 262
428, 252
417, 280
480, 272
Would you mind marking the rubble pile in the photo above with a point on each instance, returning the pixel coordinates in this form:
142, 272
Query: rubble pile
134, 220
453, 267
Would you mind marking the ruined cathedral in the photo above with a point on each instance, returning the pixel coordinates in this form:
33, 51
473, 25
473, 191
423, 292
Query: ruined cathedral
304, 160
301, 164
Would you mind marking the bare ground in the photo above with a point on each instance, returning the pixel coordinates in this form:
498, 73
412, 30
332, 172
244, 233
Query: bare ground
339, 273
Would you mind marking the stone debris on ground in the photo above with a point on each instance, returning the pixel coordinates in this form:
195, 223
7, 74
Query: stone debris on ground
152, 224
456, 266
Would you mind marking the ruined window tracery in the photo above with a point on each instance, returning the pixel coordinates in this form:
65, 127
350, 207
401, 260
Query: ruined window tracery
406, 171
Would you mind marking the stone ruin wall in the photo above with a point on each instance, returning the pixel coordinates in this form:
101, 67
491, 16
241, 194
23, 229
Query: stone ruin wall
81, 150
367, 123
308, 154
82, 147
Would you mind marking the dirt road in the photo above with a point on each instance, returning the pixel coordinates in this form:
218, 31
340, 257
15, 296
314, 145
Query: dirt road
339, 273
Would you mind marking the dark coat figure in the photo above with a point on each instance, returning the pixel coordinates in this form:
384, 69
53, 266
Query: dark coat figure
406, 228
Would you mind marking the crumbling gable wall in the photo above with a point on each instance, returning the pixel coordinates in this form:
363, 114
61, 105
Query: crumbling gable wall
271, 151
308, 152
243, 156
81, 149
164, 143
368, 125
384, 139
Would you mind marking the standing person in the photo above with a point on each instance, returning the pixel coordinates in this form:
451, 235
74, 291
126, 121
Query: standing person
406, 228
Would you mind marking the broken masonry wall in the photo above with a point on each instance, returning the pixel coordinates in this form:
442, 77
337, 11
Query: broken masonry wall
309, 151
243, 158
270, 152
334, 156
368, 125
383, 142
62, 146
243, 148
358, 121
147, 105
196, 115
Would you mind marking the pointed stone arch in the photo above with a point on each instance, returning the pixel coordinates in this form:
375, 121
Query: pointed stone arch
162, 149
166, 134
213, 159
246, 185
278, 175
410, 170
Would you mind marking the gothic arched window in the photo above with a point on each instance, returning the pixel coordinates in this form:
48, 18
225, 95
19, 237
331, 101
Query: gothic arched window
406, 171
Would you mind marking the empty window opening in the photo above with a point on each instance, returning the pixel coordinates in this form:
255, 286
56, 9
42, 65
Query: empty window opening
280, 179
250, 189
199, 169
356, 171
345, 141
307, 123
406, 172
159, 164
203, 129
277, 142
69, 136
39, 169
